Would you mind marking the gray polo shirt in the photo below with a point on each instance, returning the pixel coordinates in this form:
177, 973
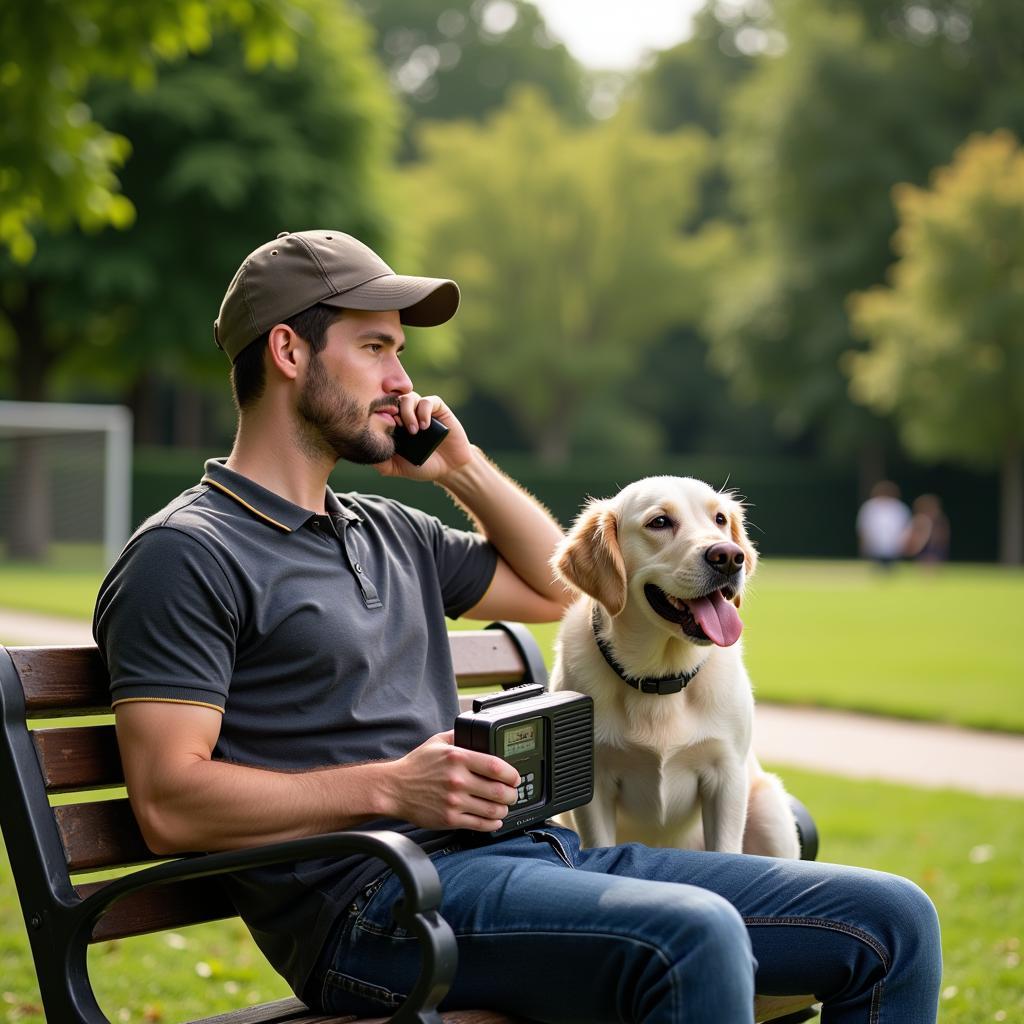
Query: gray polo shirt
320, 638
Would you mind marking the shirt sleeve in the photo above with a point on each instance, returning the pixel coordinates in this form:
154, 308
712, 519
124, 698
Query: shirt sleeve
166, 622
466, 563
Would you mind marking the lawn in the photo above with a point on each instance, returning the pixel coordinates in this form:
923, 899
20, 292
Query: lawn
944, 645
65, 584
965, 851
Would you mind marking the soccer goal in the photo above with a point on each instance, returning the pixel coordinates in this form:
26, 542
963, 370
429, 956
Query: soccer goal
65, 479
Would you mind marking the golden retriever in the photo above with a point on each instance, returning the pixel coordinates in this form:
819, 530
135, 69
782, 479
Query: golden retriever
655, 639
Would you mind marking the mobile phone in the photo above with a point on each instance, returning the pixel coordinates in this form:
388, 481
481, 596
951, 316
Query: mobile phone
417, 448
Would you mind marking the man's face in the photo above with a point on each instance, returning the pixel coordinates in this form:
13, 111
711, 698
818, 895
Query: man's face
351, 390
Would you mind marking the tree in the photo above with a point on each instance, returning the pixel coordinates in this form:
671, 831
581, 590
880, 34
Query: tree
862, 95
568, 246
58, 164
224, 157
452, 59
946, 335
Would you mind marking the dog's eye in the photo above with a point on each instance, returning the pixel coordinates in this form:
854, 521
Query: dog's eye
721, 519
660, 523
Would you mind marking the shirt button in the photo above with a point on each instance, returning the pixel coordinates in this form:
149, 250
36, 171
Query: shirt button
358, 568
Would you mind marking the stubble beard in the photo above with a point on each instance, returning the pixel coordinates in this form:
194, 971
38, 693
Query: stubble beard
333, 423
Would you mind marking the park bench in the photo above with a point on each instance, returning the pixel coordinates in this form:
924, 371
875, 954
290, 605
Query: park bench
52, 847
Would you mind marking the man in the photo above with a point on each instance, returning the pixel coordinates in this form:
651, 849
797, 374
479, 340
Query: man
883, 524
279, 668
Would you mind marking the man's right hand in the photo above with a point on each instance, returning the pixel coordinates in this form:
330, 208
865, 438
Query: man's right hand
440, 786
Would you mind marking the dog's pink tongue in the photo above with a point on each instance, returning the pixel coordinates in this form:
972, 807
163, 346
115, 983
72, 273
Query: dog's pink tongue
717, 617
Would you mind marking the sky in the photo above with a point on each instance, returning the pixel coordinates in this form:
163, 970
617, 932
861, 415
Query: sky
613, 34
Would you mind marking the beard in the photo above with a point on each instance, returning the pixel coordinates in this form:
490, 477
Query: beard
333, 423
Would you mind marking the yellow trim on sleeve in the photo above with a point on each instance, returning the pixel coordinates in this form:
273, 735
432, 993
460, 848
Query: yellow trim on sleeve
241, 501
166, 700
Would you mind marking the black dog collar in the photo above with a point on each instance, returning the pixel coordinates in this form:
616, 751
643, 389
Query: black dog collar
661, 685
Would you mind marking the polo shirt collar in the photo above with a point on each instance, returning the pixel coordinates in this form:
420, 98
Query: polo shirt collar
266, 504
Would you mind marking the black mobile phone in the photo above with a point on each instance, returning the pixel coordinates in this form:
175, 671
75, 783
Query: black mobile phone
417, 448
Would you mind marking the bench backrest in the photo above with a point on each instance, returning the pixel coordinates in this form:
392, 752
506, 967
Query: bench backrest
51, 848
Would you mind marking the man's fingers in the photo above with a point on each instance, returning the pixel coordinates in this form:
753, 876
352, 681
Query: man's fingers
417, 410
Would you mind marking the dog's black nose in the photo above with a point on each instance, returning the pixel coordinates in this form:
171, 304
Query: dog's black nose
726, 558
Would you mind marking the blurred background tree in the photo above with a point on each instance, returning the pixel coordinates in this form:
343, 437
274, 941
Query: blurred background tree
946, 336
846, 99
58, 164
225, 155
568, 244
747, 180
457, 59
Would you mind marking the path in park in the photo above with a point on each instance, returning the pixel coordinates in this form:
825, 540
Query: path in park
840, 742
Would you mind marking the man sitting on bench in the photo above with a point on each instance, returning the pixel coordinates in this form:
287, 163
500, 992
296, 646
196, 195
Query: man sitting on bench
280, 667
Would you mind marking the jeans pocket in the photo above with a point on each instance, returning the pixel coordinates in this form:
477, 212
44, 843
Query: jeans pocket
563, 841
343, 993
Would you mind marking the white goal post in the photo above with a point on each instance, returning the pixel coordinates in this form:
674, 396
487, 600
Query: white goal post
114, 422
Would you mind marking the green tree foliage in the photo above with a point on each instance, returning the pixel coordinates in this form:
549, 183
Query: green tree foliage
58, 163
862, 96
568, 244
946, 336
224, 157
453, 59
690, 84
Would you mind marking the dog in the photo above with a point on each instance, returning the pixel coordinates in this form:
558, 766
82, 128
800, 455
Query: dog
654, 638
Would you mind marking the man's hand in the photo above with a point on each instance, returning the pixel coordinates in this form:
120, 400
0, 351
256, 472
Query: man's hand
441, 786
415, 413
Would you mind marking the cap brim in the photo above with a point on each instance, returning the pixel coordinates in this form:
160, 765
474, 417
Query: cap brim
421, 301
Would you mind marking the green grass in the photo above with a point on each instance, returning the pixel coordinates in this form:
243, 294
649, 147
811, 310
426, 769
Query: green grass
65, 584
965, 851
942, 646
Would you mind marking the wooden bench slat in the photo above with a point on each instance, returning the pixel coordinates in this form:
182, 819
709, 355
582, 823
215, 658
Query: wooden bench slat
485, 656
71, 681
79, 758
103, 834
62, 681
163, 907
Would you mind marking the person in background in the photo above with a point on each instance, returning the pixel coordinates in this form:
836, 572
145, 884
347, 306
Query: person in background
882, 525
928, 533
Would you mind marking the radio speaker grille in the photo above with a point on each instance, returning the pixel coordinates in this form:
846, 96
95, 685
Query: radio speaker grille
572, 755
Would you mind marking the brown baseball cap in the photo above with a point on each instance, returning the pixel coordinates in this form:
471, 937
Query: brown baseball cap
302, 268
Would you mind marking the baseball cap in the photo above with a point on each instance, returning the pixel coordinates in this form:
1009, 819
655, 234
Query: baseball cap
302, 268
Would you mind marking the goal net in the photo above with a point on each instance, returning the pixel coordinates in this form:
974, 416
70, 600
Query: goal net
65, 482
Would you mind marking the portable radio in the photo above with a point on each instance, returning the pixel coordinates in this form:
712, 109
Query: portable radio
548, 737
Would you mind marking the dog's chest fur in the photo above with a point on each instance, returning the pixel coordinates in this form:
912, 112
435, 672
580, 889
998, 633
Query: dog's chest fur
655, 790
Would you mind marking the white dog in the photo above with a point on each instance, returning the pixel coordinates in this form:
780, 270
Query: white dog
655, 642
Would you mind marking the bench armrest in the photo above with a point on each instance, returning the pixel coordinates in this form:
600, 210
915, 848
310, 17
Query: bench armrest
416, 910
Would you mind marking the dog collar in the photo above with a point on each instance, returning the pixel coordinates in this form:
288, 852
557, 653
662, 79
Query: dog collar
661, 685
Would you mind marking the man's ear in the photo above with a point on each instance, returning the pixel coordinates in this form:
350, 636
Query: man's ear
286, 351
590, 559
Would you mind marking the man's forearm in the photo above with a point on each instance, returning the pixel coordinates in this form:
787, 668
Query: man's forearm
523, 531
216, 805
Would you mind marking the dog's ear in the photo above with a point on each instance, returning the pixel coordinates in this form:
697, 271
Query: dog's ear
590, 560
739, 535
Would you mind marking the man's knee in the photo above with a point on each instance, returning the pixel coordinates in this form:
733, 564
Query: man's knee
701, 959
689, 925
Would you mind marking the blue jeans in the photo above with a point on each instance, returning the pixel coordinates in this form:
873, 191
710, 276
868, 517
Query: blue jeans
630, 933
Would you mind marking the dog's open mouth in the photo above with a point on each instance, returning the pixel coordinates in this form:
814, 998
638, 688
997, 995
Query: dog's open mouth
711, 618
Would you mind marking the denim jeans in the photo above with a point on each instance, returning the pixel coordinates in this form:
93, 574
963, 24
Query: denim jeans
630, 933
